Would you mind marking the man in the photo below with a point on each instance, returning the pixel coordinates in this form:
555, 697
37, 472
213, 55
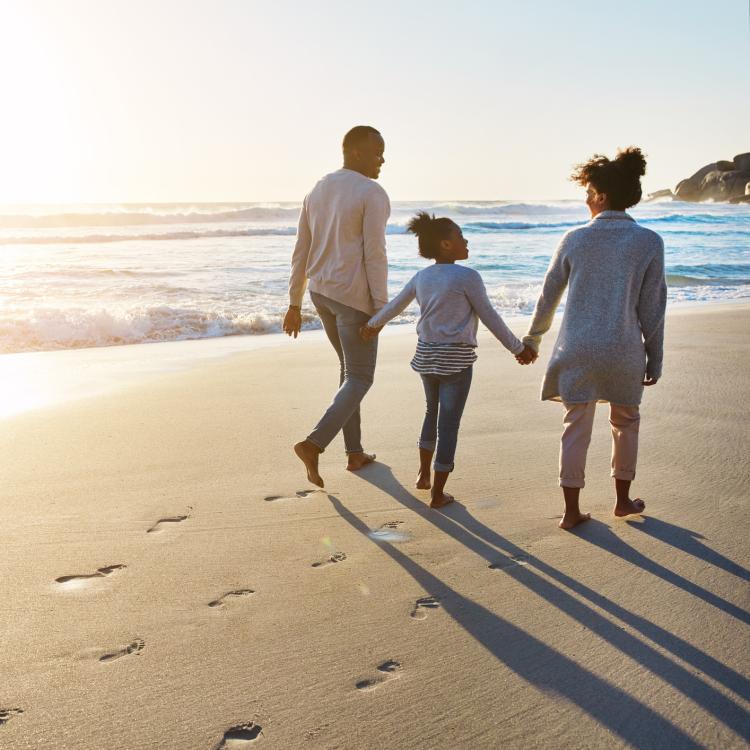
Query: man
341, 251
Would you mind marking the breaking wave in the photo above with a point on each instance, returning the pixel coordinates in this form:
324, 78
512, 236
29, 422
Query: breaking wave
190, 235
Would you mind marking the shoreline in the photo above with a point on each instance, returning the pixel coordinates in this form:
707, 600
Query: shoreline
38, 380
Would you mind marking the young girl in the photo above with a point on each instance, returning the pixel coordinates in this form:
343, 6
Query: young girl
450, 298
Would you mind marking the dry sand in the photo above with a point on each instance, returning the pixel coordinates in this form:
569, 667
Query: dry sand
212, 590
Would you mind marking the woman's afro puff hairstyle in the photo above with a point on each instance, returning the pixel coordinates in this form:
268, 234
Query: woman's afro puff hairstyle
618, 178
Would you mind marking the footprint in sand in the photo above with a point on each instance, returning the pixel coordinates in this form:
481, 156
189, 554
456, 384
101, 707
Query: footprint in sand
6, 714
337, 557
222, 599
422, 605
388, 669
297, 495
132, 648
388, 532
240, 736
509, 562
69, 583
162, 523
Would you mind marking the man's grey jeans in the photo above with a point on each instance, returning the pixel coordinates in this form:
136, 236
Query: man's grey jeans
357, 360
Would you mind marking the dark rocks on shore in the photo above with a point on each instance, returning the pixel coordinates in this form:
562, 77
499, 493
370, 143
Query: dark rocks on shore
724, 181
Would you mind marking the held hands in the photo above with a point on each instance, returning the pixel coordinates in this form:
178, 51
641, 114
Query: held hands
650, 381
366, 333
527, 357
292, 322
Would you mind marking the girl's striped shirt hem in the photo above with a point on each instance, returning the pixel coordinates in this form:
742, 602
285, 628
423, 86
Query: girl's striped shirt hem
442, 359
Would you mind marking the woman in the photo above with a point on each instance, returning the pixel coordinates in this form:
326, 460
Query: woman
611, 339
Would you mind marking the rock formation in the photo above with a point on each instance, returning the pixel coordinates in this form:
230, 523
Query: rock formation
724, 181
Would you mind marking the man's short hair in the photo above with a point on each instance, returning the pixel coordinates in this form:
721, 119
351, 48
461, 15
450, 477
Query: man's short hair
358, 136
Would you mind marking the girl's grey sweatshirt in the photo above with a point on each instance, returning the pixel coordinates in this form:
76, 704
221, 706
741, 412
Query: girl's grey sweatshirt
451, 299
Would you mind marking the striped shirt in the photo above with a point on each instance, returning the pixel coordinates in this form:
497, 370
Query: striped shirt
442, 359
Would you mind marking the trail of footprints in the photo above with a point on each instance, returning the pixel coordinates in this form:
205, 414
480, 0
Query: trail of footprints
242, 735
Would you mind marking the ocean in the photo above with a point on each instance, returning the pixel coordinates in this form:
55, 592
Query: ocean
103, 275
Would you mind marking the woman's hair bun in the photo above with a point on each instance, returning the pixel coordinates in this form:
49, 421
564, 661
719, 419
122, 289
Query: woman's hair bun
632, 161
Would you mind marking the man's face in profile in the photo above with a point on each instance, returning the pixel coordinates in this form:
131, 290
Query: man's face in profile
370, 156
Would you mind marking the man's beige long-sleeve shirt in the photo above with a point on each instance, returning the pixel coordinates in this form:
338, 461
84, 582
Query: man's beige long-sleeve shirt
341, 242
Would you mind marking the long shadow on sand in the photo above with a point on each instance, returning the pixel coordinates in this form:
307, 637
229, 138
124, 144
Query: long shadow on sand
689, 542
572, 681
602, 536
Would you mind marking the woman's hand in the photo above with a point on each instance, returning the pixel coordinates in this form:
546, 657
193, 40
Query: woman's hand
366, 333
527, 356
650, 381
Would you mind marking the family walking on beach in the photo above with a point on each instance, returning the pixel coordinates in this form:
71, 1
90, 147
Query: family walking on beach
609, 347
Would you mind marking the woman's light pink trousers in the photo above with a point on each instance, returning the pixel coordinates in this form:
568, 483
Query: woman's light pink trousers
574, 445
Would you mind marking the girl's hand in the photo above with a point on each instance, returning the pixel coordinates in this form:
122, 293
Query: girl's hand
650, 381
366, 333
527, 356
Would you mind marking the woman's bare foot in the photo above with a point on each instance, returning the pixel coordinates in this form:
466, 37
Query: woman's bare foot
308, 453
423, 481
358, 460
629, 507
569, 520
441, 500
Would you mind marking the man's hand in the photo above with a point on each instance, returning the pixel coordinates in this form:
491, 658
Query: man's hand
527, 356
366, 333
292, 322
650, 381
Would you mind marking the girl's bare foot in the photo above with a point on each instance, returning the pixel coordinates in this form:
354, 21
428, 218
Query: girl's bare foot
423, 481
569, 520
423, 475
358, 460
629, 507
441, 500
308, 453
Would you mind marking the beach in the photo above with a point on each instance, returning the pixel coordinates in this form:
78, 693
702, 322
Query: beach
170, 579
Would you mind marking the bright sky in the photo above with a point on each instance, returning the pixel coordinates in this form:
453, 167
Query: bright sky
162, 100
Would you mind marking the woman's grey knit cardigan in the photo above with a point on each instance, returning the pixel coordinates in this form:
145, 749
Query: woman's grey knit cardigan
612, 331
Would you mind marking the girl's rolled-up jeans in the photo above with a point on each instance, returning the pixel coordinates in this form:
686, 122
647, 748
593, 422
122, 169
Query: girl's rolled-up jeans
446, 397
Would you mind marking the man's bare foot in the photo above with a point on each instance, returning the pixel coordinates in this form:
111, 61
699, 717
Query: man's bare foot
308, 453
423, 481
629, 508
569, 520
440, 501
358, 460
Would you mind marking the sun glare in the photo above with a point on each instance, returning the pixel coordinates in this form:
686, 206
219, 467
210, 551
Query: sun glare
40, 132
